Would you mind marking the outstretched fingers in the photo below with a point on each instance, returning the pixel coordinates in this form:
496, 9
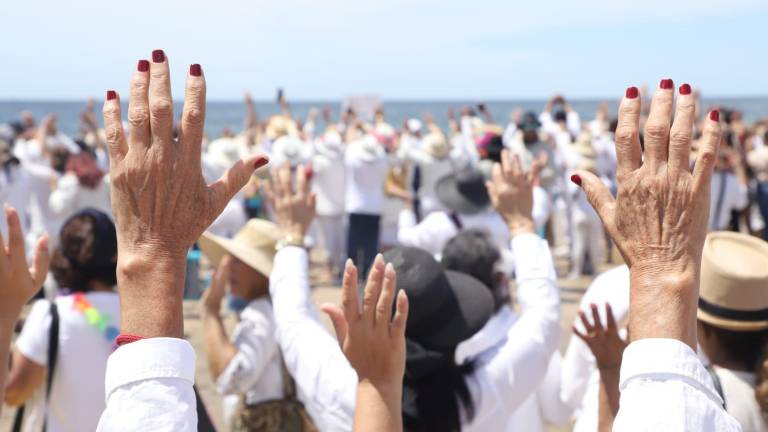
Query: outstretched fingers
397, 328
15, 249
628, 154
138, 106
349, 300
234, 179
682, 130
339, 321
709, 146
160, 102
657, 126
40, 262
384, 305
193, 113
599, 197
113, 127
373, 290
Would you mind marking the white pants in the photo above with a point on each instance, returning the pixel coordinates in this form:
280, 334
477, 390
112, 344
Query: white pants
588, 236
331, 232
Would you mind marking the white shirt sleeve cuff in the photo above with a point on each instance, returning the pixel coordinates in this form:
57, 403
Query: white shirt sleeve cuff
666, 359
149, 359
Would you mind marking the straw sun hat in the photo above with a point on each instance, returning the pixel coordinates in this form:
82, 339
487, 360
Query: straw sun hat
254, 245
733, 292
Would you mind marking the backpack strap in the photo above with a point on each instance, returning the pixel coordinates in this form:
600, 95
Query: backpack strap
718, 384
53, 353
456, 221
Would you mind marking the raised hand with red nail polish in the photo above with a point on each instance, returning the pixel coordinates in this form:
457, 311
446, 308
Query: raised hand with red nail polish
161, 202
659, 216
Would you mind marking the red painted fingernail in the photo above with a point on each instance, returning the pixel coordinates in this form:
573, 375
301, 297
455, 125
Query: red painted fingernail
260, 162
309, 172
576, 179
195, 70
158, 56
685, 89
143, 65
111, 94
714, 115
667, 84
632, 92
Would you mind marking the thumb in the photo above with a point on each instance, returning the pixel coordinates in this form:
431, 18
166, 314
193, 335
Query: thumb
340, 325
40, 262
598, 195
235, 178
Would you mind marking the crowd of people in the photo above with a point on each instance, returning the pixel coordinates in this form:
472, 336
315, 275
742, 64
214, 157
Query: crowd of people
444, 243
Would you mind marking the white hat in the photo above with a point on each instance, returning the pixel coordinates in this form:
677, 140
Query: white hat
367, 148
435, 144
413, 125
330, 144
225, 152
290, 149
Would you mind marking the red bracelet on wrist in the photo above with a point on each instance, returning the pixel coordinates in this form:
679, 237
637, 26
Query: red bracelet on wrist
123, 339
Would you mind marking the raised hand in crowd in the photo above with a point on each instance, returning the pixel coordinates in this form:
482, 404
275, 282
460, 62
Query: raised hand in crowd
160, 200
511, 191
374, 343
18, 283
659, 217
607, 346
293, 205
658, 221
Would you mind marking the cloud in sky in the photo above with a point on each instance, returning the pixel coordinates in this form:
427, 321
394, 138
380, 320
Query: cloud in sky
400, 49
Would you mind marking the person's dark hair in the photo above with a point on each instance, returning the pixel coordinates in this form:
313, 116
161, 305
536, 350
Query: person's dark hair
472, 252
85, 168
494, 148
59, 158
87, 252
437, 396
560, 116
745, 347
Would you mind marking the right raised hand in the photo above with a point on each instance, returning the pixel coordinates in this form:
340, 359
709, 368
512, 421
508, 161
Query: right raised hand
294, 206
511, 192
659, 217
604, 342
18, 283
161, 202
372, 340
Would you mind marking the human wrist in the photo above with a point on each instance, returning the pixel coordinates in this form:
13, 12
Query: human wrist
387, 389
520, 225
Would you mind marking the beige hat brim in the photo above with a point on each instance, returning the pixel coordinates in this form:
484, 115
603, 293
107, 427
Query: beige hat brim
728, 324
215, 247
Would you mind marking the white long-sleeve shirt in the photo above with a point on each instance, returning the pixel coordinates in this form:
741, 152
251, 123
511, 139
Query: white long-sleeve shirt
665, 387
325, 381
149, 387
70, 196
727, 194
328, 383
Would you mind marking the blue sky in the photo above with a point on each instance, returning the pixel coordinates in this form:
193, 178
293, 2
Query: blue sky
399, 49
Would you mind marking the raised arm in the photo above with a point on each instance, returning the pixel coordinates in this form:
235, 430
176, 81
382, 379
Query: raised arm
374, 343
18, 283
659, 223
161, 205
607, 346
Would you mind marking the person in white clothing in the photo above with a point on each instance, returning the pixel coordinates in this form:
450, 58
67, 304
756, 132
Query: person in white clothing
84, 185
367, 165
580, 380
473, 253
729, 190
434, 159
565, 118
535, 337
247, 367
329, 184
733, 322
587, 235
86, 318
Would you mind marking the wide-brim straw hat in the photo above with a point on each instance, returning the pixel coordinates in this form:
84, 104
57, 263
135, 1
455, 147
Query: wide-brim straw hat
254, 245
291, 149
733, 292
280, 125
583, 146
435, 144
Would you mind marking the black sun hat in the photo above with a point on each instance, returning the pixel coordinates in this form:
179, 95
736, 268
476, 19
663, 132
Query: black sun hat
463, 191
446, 307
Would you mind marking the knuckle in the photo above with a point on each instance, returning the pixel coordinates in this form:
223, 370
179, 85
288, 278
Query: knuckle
195, 117
656, 130
113, 133
707, 156
679, 137
138, 116
161, 108
625, 135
